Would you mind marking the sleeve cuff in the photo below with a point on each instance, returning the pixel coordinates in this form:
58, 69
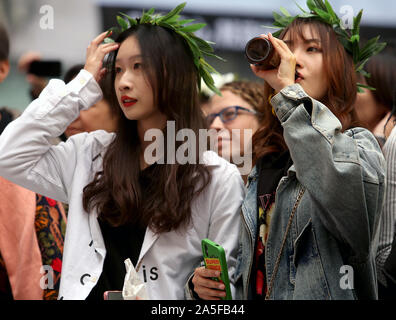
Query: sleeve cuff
86, 86
288, 98
294, 92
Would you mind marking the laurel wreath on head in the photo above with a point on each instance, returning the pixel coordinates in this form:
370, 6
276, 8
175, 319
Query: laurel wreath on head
349, 38
185, 29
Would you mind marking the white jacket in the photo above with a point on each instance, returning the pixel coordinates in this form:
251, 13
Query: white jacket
61, 172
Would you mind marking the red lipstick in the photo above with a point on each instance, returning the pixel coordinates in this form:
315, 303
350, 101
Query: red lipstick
128, 101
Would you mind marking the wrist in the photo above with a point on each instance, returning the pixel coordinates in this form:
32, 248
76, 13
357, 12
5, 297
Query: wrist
284, 85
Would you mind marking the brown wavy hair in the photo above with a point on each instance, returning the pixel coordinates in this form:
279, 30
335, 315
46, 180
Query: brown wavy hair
251, 92
115, 191
341, 95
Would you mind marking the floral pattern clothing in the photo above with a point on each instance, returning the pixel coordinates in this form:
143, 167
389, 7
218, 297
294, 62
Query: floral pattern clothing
271, 169
50, 225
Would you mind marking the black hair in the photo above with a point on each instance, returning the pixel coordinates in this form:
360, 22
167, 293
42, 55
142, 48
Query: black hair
72, 72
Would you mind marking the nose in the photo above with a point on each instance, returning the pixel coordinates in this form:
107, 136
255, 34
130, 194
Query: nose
299, 57
125, 82
217, 124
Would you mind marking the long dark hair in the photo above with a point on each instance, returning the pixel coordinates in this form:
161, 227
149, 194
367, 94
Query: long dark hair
116, 192
340, 97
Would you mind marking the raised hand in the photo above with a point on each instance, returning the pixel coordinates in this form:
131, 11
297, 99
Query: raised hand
96, 52
284, 75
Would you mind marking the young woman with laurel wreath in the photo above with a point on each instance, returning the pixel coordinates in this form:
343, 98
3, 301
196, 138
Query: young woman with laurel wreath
119, 206
314, 198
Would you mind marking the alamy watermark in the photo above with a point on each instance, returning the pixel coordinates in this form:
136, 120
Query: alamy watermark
47, 17
347, 18
346, 281
192, 147
47, 280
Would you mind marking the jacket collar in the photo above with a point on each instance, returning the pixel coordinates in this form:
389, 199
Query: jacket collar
253, 175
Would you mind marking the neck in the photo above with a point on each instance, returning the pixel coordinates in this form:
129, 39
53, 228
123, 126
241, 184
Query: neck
158, 122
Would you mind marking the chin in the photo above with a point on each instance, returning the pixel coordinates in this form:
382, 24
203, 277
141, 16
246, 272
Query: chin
130, 115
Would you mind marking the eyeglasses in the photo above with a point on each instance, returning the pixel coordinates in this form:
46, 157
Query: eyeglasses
228, 114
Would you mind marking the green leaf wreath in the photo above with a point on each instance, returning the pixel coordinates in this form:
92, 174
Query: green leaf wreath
185, 29
349, 38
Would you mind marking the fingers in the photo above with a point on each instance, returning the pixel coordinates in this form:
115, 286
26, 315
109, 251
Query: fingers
96, 52
103, 48
208, 273
26, 59
280, 46
108, 47
277, 43
263, 74
101, 74
284, 75
205, 287
99, 39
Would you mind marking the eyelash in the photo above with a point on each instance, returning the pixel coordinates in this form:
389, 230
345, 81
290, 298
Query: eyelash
135, 67
316, 49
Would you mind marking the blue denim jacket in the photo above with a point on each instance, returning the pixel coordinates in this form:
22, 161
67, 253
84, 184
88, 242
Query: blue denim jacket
330, 248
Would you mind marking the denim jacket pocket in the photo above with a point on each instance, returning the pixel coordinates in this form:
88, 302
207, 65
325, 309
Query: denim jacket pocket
299, 240
308, 276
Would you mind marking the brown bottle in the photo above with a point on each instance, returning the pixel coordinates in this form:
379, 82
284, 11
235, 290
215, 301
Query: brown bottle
260, 52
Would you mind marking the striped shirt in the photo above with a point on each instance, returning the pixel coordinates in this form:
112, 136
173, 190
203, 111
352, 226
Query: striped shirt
388, 218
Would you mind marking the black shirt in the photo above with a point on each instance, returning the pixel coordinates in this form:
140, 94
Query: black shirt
121, 243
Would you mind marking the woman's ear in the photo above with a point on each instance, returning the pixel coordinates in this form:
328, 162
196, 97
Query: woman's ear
4, 69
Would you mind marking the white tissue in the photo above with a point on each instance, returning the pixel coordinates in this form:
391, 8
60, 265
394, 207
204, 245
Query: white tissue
134, 288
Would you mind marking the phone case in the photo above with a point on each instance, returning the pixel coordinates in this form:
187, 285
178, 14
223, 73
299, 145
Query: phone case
214, 257
112, 295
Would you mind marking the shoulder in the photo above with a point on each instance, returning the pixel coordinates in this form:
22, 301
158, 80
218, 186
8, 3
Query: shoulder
212, 160
371, 157
364, 139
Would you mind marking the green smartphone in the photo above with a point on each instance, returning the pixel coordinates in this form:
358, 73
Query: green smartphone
214, 257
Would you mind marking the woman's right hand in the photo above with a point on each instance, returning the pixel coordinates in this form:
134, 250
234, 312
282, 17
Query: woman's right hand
284, 75
96, 52
205, 287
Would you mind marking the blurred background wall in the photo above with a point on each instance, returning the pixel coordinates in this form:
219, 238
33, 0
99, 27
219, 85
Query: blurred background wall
231, 23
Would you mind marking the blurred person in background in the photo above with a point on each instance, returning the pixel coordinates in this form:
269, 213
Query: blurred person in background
32, 228
100, 116
239, 107
374, 107
37, 83
380, 107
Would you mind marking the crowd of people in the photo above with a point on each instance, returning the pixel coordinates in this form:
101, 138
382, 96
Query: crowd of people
79, 196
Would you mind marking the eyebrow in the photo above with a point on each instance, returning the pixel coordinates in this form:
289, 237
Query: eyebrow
306, 41
138, 56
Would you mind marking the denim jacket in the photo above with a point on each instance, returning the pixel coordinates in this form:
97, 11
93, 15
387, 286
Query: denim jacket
330, 248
